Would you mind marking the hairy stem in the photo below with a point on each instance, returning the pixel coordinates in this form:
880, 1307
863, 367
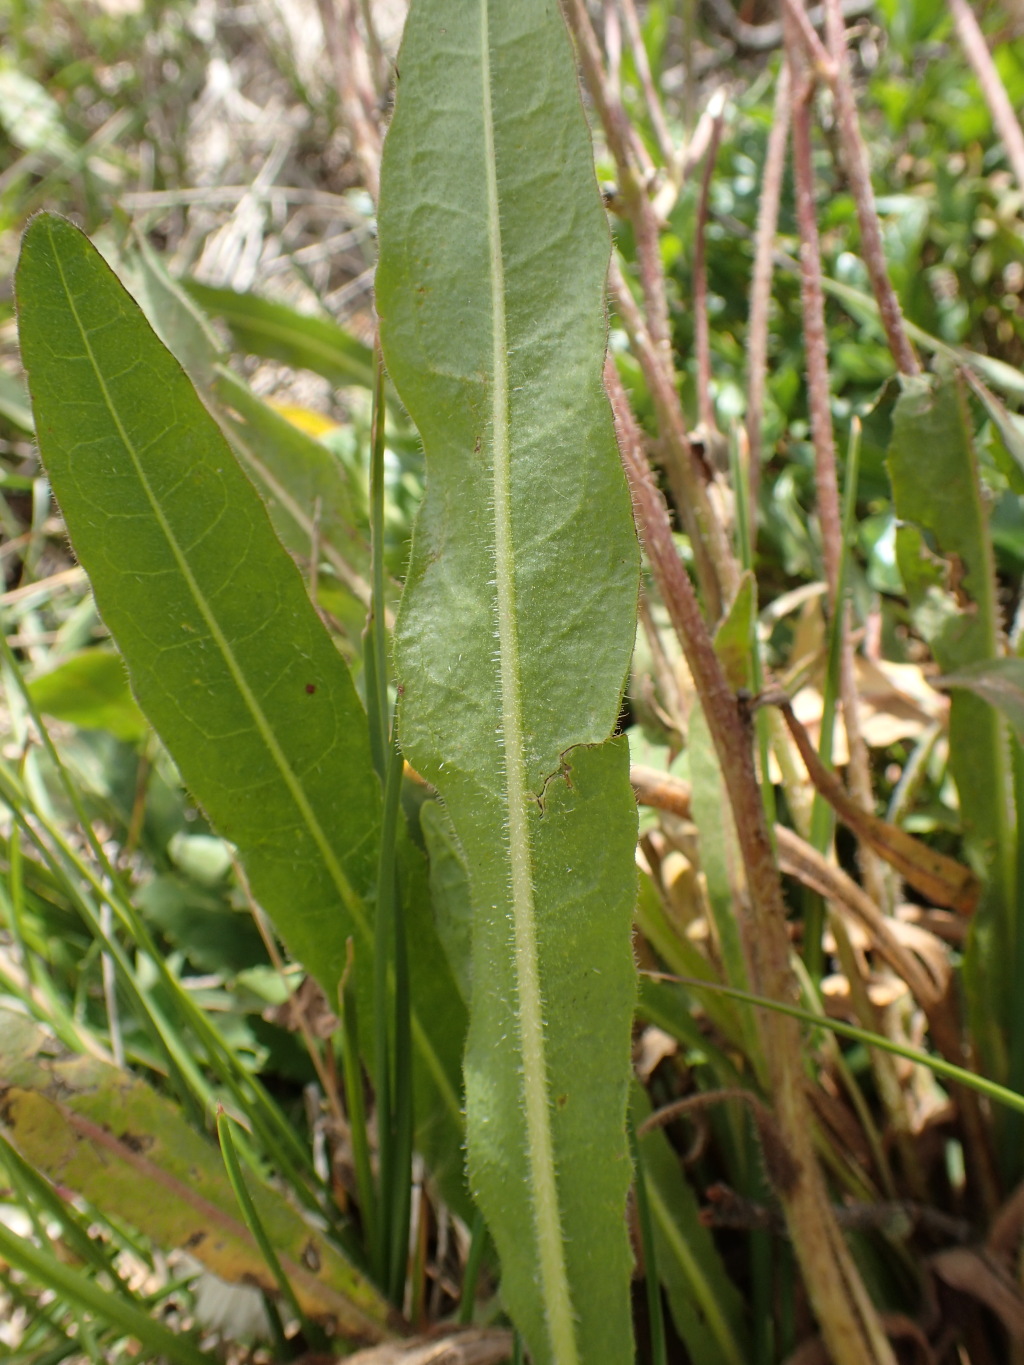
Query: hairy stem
1003, 115
855, 159
761, 283
849, 1322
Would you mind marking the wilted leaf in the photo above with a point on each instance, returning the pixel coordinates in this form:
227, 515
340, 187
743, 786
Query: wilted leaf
106, 1135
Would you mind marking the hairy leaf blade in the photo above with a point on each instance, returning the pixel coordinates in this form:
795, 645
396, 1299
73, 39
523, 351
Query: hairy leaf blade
514, 635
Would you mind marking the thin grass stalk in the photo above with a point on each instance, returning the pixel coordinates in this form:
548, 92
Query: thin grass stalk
883, 1068
761, 284
613, 48
849, 1081
855, 159
805, 31
392, 1020
196, 1095
939, 1066
267, 1118
33, 1188
651, 335
353, 1076
701, 323
401, 1211
664, 674
86, 1294
1003, 114
639, 210
471, 1274
253, 1221
84, 1334
740, 470
348, 60
815, 337
847, 1317
713, 560
377, 655
652, 1282
328, 1082
822, 820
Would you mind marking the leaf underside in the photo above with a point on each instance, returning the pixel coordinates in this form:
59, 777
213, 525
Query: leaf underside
515, 632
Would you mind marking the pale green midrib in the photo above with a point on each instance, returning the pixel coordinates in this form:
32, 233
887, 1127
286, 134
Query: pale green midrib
350, 897
540, 1148
702, 1291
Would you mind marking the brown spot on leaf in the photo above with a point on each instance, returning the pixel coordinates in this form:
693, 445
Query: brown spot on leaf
136, 1142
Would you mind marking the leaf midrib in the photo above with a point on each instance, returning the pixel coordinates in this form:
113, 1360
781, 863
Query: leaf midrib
529, 1004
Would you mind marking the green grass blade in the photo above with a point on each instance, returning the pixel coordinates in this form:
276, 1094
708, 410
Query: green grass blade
252, 1218
1000, 1093
515, 632
368, 1210
79, 1289
706, 1307
945, 555
652, 1281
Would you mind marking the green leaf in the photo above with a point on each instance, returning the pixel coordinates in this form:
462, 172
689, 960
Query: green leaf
515, 632
91, 689
945, 558
1000, 682
99, 1131
706, 1307
173, 315
14, 404
261, 327
226, 654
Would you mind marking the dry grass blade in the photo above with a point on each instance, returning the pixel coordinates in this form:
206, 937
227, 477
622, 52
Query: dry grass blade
942, 880
483, 1346
798, 859
978, 1274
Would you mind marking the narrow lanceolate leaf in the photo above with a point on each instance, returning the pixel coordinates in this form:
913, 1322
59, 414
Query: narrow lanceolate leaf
226, 654
515, 632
